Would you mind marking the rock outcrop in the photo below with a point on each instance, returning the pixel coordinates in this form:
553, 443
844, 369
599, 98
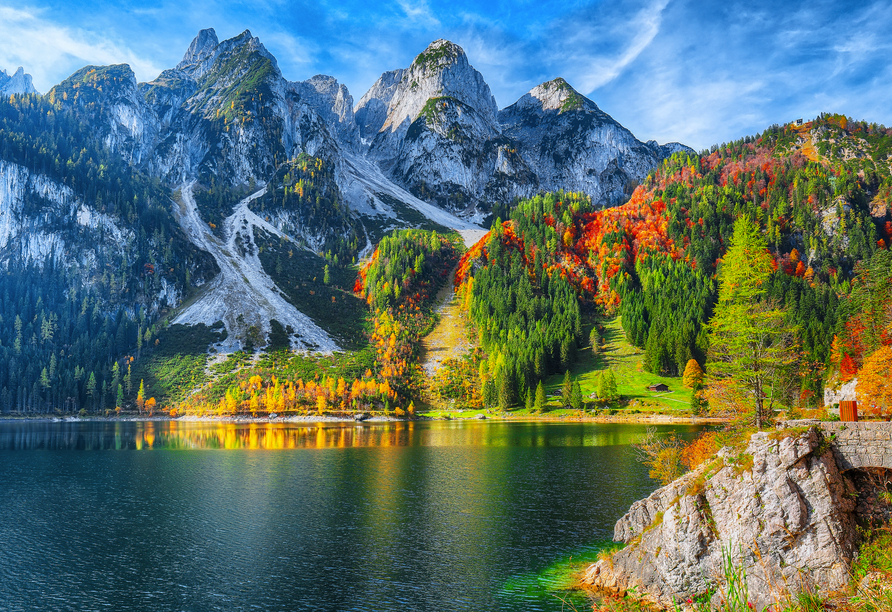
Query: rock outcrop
386, 111
782, 509
18, 83
435, 129
574, 145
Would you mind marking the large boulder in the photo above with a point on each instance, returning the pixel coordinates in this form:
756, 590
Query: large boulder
782, 510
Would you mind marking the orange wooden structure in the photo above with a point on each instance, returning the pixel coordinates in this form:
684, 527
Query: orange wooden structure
848, 411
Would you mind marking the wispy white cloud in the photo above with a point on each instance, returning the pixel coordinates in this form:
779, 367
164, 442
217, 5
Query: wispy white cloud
291, 50
29, 39
601, 70
418, 13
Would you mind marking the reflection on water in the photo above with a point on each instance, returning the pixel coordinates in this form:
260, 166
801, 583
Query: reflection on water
445, 516
87, 435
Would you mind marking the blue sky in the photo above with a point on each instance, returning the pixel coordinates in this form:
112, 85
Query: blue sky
695, 72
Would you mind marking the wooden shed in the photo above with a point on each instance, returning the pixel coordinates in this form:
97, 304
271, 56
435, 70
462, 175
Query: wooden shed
658, 387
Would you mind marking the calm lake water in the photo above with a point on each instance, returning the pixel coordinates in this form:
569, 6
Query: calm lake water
433, 516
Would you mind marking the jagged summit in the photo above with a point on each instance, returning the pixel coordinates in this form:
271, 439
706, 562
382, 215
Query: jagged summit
439, 54
557, 95
205, 51
386, 111
201, 48
18, 83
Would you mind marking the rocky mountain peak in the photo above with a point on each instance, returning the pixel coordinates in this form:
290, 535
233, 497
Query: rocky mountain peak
18, 83
94, 84
555, 95
202, 48
333, 102
440, 54
398, 97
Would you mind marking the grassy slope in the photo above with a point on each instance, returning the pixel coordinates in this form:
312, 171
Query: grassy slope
631, 378
176, 365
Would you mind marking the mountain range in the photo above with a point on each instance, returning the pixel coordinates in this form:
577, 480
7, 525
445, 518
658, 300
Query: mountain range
247, 153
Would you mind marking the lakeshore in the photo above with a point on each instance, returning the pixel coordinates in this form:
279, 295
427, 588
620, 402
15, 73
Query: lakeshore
656, 419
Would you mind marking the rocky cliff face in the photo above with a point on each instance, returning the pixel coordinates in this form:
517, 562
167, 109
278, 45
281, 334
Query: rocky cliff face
782, 509
333, 102
108, 98
574, 145
456, 157
434, 128
387, 110
43, 223
18, 83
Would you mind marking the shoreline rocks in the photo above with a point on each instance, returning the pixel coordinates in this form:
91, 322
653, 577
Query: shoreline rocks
782, 509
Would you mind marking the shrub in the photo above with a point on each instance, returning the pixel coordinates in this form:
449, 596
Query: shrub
662, 454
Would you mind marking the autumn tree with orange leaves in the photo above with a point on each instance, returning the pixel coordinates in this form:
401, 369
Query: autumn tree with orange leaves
874, 387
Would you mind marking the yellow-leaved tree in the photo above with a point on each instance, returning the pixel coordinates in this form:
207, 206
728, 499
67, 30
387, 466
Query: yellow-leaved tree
752, 347
874, 387
693, 374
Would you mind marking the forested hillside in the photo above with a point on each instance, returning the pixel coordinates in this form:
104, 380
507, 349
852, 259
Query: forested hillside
397, 284
92, 260
824, 215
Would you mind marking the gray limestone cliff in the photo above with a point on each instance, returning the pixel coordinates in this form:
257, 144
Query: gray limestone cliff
574, 145
386, 111
783, 509
434, 128
17, 83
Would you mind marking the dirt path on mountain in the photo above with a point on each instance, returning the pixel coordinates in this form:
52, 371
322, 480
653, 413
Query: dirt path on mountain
449, 336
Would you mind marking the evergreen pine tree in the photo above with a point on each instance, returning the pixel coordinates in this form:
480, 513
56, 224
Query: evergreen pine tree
566, 388
539, 405
607, 386
576, 396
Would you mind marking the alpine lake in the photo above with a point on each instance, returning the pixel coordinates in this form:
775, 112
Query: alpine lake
192, 516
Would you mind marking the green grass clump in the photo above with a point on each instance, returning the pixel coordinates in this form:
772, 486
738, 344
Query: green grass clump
560, 579
428, 59
875, 554
572, 103
233, 362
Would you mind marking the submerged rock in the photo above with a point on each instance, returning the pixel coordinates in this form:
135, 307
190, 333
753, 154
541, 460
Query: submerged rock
782, 510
